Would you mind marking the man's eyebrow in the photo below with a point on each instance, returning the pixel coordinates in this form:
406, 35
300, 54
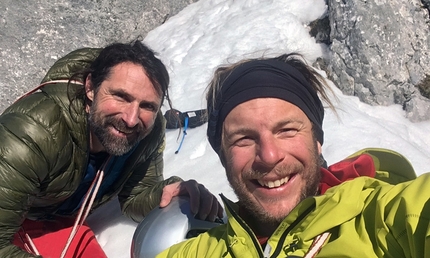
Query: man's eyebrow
122, 92
154, 103
240, 130
246, 129
289, 121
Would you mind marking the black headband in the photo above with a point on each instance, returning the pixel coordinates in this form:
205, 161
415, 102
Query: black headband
269, 78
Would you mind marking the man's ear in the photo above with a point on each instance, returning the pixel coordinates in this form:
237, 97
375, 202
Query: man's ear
323, 162
319, 147
89, 91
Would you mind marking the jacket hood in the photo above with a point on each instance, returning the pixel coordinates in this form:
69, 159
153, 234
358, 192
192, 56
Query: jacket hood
74, 62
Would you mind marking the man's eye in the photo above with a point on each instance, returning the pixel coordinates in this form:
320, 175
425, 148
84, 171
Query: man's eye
120, 97
244, 141
288, 132
149, 107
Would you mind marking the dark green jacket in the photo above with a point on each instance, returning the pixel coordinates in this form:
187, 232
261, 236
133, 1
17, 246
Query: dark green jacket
44, 156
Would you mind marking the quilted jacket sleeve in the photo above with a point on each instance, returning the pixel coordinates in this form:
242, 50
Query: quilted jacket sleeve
142, 191
24, 162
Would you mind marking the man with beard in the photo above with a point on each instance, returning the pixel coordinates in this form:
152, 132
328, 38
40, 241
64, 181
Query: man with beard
265, 124
92, 131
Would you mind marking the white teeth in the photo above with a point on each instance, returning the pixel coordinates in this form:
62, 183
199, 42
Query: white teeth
123, 132
273, 184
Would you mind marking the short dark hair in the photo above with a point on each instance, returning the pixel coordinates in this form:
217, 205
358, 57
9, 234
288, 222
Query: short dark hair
135, 52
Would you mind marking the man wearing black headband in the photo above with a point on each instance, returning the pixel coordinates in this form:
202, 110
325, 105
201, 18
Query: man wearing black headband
266, 125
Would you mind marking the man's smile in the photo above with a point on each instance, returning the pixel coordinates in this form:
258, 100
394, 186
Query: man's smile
275, 183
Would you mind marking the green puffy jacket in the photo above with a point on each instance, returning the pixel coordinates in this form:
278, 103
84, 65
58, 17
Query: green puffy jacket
44, 156
363, 217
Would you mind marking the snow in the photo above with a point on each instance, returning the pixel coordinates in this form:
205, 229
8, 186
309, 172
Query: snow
210, 33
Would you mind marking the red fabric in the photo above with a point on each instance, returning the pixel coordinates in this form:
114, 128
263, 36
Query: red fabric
346, 170
262, 240
50, 238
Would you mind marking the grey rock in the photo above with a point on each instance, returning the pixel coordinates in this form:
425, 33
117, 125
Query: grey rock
34, 34
417, 108
380, 52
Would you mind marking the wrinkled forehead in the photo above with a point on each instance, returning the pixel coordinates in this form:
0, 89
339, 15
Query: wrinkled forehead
265, 113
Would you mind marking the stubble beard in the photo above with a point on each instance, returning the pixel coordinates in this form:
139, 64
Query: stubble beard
311, 177
117, 146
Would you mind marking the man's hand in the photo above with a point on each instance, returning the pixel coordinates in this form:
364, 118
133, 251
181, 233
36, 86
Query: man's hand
202, 202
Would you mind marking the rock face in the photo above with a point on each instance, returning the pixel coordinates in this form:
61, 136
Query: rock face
381, 52
34, 34
379, 48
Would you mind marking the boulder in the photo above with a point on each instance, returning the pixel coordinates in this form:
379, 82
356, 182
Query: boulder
380, 52
34, 34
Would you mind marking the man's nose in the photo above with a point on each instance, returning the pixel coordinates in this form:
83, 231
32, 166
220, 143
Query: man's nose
269, 153
131, 115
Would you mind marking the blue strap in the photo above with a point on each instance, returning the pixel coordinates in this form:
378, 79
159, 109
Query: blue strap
183, 136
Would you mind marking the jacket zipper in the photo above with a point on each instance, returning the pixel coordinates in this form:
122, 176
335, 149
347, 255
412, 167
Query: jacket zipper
288, 230
244, 226
251, 234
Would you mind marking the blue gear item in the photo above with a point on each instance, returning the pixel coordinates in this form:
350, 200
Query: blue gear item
176, 119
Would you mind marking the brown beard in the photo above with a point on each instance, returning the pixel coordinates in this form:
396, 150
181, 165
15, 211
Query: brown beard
113, 145
263, 218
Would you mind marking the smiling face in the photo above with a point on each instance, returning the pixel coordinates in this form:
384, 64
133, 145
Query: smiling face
271, 158
123, 109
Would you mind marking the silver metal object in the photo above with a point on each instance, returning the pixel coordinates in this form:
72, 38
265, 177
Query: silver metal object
164, 227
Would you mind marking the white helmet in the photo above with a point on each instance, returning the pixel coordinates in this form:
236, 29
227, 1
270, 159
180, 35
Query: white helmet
165, 227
